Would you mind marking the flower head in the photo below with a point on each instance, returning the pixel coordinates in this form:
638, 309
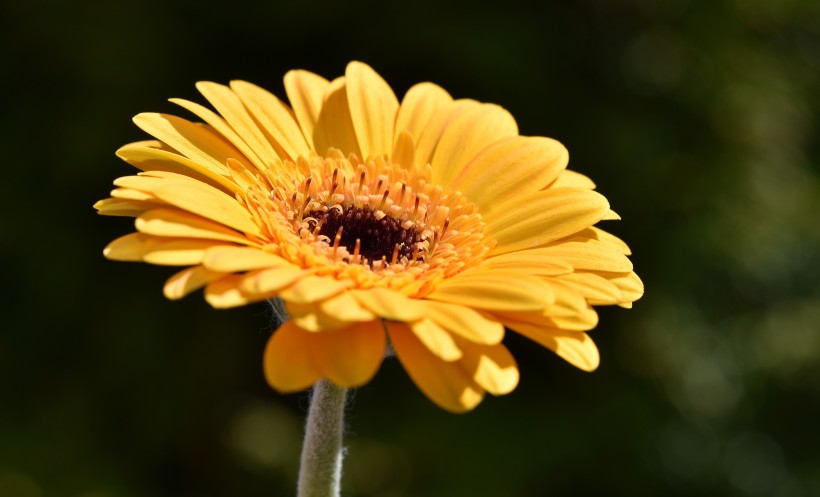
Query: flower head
430, 221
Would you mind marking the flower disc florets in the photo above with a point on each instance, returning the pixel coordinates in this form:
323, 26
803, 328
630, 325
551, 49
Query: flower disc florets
374, 224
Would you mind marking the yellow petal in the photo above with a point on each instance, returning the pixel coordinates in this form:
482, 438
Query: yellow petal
176, 223
123, 207
572, 179
491, 367
495, 290
436, 339
312, 289
511, 167
351, 356
129, 194
611, 216
153, 159
207, 202
445, 383
583, 254
197, 143
373, 107
419, 105
175, 252
305, 92
274, 117
389, 304
570, 311
465, 322
230, 106
630, 285
334, 127
594, 287
532, 261
245, 144
270, 281
345, 308
430, 135
287, 363
236, 259
130, 247
574, 347
606, 237
189, 280
224, 293
310, 317
537, 218
404, 153
467, 135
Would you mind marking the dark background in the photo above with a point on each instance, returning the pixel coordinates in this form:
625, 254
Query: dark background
697, 119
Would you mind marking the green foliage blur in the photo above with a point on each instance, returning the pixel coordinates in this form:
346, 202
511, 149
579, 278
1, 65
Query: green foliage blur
697, 119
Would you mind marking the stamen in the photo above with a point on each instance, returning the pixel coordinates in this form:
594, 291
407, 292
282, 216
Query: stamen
415, 210
403, 191
357, 249
415, 252
384, 199
318, 226
336, 241
395, 254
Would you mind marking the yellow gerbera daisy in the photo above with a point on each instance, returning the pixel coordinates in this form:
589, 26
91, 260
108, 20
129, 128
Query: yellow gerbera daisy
431, 221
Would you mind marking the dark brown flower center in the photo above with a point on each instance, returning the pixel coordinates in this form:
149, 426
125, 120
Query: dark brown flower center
378, 239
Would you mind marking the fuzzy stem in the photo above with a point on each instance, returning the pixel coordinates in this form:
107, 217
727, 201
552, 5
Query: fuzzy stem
320, 472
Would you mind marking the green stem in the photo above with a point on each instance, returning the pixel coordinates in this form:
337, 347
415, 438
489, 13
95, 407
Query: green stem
320, 472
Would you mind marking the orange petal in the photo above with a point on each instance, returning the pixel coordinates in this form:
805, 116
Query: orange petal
574, 347
178, 252
373, 107
195, 142
240, 141
351, 356
428, 140
335, 125
389, 304
274, 118
537, 218
465, 322
123, 207
419, 105
305, 92
270, 281
510, 167
572, 179
154, 159
491, 367
596, 289
237, 259
189, 280
586, 254
495, 290
436, 339
313, 288
169, 222
224, 293
466, 135
287, 363
445, 383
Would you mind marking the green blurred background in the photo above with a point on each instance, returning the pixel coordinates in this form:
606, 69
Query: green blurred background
697, 119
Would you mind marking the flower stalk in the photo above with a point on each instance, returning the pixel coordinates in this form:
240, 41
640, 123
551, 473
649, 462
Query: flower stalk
320, 470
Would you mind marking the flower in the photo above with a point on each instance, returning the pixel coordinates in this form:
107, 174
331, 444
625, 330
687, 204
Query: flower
430, 221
